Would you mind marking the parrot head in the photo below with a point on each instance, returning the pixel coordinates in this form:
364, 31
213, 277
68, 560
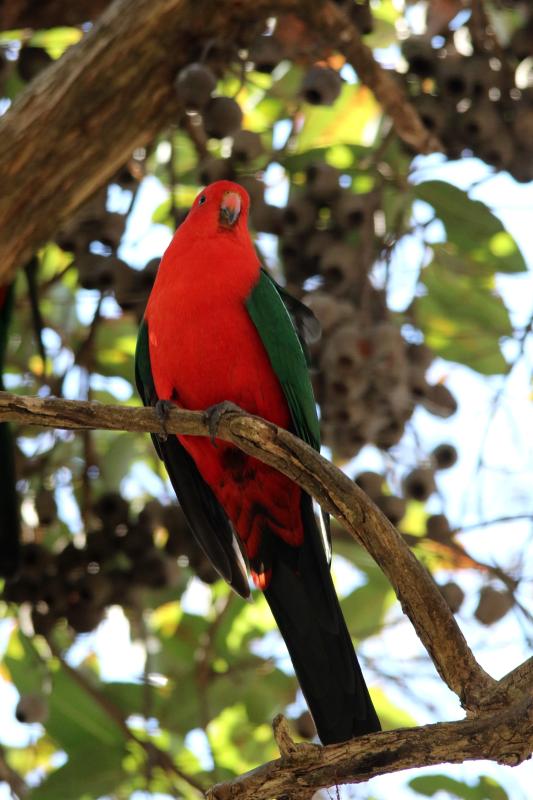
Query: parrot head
221, 206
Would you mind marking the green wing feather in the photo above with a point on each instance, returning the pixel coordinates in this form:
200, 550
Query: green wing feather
272, 311
285, 351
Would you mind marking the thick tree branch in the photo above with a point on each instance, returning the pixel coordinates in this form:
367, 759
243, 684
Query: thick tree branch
420, 598
332, 24
505, 736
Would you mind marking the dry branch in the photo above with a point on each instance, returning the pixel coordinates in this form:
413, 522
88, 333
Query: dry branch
505, 736
420, 598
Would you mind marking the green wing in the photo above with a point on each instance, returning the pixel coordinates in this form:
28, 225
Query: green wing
270, 316
206, 517
272, 311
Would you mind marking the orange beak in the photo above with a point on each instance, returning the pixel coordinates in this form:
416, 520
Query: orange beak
230, 208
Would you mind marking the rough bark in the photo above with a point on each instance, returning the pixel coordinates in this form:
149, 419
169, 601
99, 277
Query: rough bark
420, 597
505, 736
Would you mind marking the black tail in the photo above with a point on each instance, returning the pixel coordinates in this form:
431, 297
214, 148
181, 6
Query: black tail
9, 512
304, 603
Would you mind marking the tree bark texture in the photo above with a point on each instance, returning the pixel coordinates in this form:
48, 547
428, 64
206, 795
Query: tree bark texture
48, 14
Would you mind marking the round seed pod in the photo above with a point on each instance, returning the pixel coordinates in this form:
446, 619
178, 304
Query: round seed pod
222, 116
299, 216
330, 311
438, 528
32, 707
393, 507
111, 230
305, 725
321, 86
254, 187
493, 605
194, 85
211, 169
480, 122
340, 267
349, 210
322, 182
266, 52
45, 506
341, 355
454, 595
371, 483
419, 484
420, 55
35, 560
246, 146
389, 434
92, 590
112, 510
420, 355
452, 79
432, 113
439, 400
316, 246
444, 456
137, 542
95, 271
84, 618
32, 61
266, 218
152, 569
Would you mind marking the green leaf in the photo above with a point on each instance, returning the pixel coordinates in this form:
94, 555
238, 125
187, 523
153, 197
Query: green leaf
390, 715
88, 775
461, 316
345, 122
485, 789
365, 608
472, 227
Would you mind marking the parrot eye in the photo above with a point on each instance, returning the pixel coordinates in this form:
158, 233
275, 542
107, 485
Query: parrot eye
202, 200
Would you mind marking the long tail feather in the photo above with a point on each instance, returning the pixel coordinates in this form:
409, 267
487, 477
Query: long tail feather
303, 601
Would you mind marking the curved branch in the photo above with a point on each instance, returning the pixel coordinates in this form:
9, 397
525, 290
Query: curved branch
505, 736
420, 598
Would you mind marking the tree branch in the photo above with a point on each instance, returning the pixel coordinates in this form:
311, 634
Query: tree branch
505, 736
420, 598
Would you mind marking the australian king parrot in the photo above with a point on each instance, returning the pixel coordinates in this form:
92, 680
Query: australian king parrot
9, 512
218, 329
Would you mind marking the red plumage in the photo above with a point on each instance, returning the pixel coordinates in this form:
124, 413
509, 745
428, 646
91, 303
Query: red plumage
204, 349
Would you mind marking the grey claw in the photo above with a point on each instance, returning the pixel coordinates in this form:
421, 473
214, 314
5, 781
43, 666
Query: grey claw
162, 409
214, 414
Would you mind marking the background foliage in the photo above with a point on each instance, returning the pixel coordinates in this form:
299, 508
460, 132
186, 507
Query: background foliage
132, 674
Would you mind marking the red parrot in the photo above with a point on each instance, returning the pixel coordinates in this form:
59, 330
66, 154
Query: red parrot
218, 329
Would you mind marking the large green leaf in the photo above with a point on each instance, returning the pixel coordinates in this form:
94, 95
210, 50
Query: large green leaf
485, 789
462, 317
90, 774
472, 227
365, 608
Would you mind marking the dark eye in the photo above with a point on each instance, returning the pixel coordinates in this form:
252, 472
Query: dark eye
202, 200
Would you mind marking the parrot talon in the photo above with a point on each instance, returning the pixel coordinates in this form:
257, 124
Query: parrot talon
162, 410
214, 414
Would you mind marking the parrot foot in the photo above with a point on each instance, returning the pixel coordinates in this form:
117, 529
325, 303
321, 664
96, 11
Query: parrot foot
162, 409
214, 414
